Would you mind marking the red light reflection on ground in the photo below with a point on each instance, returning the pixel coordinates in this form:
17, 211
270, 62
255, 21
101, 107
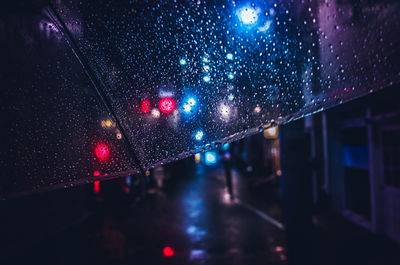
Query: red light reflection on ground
96, 186
168, 252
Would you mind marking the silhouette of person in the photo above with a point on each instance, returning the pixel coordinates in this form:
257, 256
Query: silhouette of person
227, 163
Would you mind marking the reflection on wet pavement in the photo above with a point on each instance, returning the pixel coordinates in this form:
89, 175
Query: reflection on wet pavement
195, 220
190, 220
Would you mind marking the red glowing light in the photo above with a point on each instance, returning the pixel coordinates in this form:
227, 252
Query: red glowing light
96, 186
146, 106
168, 252
102, 152
96, 173
166, 105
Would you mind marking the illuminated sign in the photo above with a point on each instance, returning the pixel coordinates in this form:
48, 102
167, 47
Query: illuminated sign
211, 158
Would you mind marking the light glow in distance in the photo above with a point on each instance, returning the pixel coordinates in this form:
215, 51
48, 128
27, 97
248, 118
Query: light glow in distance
211, 158
102, 152
199, 135
182, 62
197, 158
155, 113
248, 15
166, 105
224, 110
191, 102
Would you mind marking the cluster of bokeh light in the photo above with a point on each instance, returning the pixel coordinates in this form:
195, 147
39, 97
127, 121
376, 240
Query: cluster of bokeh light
213, 71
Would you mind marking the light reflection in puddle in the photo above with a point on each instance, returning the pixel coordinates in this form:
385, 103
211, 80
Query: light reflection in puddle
225, 197
194, 210
195, 233
198, 254
193, 207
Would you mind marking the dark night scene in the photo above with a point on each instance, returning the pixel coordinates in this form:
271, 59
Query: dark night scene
200, 132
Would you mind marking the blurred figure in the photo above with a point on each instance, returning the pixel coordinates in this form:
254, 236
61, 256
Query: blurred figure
227, 163
159, 176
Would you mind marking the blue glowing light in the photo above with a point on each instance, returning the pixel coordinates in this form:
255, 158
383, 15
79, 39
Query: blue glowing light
182, 62
199, 135
248, 15
128, 180
187, 108
206, 79
211, 158
266, 26
231, 76
229, 56
225, 147
191, 102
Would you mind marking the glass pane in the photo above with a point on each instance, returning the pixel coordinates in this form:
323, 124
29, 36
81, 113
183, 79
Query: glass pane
51, 114
181, 76
186, 75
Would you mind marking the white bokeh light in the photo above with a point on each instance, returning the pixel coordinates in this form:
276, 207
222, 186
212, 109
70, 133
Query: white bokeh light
199, 135
224, 110
187, 108
248, 15
191, 101
182, 62
155, 113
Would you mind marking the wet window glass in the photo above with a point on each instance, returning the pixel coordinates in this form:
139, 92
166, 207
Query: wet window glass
56, 131
186, 76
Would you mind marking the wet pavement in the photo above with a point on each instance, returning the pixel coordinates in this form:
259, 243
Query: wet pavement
192, 220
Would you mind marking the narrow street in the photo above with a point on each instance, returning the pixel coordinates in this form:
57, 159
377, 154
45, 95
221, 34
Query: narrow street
200, 132
195, 217
192, 220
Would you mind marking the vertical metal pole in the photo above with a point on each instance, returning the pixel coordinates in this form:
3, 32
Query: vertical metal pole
373, 180
326, 153
311, 129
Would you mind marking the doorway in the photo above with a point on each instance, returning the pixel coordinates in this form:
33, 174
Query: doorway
390, 172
